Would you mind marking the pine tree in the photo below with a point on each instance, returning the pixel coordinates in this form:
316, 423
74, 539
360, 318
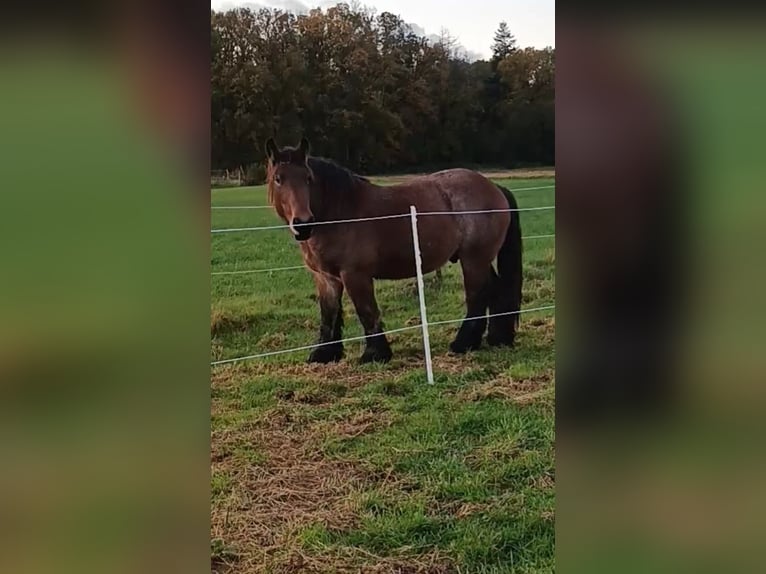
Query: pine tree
504, 43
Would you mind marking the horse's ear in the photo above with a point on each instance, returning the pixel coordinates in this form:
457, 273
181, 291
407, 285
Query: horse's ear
271, 149
304, 146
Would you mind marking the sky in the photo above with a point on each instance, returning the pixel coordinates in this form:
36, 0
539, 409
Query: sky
471, 22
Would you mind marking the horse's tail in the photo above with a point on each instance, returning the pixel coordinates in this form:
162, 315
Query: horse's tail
509, 264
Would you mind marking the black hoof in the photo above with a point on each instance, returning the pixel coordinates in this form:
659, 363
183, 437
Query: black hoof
462, 347
327, 354
500, 339
376, 355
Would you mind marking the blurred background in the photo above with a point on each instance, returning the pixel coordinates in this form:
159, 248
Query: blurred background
660, 366
104, 350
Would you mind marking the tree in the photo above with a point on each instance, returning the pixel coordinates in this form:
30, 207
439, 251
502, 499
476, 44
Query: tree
504, 43
372, 94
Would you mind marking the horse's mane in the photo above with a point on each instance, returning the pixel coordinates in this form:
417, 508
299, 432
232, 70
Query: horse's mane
333, 176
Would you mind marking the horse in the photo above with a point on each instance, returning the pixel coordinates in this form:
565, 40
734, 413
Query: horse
308, 193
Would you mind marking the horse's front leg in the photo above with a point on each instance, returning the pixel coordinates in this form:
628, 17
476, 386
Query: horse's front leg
362, 292
330, 294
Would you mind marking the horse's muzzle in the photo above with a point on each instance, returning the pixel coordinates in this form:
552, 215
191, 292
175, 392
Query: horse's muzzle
302, 229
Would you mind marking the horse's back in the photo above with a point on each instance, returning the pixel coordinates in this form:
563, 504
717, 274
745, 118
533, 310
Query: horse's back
455, 189
468, 190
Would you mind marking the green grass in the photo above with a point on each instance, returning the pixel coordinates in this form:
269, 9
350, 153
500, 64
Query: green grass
458, 475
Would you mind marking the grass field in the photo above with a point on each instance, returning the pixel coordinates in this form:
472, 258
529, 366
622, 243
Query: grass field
348, 468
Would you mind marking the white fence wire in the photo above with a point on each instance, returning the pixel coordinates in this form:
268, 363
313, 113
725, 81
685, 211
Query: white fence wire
380, 217
315, 346
363, 337
291, 268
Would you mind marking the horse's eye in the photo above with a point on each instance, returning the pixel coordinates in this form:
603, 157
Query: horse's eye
308, 179
277, 180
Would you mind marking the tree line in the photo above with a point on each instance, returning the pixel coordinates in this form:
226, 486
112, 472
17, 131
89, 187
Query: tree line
373, 95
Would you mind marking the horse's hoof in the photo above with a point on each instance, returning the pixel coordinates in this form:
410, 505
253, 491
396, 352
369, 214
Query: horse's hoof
461, 348
327, 354
376, 355
500, 340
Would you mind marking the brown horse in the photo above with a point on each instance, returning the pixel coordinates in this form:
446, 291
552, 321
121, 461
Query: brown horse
307, 191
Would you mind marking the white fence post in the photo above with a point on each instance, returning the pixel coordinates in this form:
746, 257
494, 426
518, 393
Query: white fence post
421, 294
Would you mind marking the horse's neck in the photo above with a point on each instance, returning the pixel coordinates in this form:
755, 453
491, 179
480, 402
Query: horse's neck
348, 204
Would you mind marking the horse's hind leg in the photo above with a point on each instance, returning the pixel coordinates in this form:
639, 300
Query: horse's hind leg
477, 280
502, 329
362, 292
330, 293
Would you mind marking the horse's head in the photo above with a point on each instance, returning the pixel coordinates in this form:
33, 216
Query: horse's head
290, 181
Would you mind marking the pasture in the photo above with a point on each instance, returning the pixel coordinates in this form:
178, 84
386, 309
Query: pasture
348, 468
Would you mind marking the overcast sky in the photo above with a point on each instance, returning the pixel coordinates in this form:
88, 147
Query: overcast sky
472, 22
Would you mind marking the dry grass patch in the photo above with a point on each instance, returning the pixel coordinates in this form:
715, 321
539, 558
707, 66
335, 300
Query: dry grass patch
268, 504
261, 505
358, 424
348, 560
507, 388
347, 372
